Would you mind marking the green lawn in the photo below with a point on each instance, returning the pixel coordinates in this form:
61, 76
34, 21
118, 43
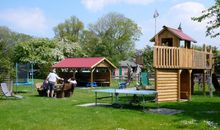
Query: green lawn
42, 113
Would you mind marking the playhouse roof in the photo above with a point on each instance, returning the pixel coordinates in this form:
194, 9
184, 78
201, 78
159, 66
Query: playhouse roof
88, 62
125, 63
178, 33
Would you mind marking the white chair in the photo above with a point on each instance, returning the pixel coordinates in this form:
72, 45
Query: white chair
6, 93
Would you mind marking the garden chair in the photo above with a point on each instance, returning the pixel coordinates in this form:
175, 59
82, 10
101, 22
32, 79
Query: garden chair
123, 85
6, 93
89, 84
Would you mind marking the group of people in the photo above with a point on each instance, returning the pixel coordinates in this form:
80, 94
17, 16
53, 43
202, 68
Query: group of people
51, 80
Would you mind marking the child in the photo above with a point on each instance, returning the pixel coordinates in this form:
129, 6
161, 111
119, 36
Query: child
45, 85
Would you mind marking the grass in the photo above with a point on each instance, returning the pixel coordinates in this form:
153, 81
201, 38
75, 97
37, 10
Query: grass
42, 113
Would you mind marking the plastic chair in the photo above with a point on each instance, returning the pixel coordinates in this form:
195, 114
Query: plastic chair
6, 93
123, 85
89, 84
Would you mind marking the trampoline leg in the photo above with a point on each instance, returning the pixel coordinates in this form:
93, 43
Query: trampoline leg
144, 102
112, 97
96, 98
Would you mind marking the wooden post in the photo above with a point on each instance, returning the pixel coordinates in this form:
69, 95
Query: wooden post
74, 73
204, 47
190, 85
91, 78
210, 58
155, 80
178, 85
110, 76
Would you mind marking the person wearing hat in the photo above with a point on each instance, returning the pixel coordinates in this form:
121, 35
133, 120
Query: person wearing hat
52, 79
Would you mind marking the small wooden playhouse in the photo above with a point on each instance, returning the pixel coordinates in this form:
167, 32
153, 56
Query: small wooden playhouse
175, 62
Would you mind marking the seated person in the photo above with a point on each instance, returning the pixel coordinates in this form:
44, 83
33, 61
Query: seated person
45, 85
72, 81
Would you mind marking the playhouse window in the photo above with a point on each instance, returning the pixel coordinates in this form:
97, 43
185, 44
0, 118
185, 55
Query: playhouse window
167, 41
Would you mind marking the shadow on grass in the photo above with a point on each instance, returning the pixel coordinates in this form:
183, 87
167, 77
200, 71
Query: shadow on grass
216, 94
200, 111
115, 106
201, 108
128, 102
36, 95
11, 98
21, 91
135, 107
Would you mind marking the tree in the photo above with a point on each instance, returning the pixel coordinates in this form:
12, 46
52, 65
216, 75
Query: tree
88, 42
148, 58
67, 36
37, 51
70, 30
70, 49
6, 35
11, 38
212, 14
216, 56
43, 53
8, 39
112, 36
5, 61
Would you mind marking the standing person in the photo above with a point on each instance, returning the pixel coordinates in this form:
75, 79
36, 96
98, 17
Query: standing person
52, 79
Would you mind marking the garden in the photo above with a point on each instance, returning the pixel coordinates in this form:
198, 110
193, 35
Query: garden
40, 113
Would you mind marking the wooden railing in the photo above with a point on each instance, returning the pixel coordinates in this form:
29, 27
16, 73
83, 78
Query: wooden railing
173, 57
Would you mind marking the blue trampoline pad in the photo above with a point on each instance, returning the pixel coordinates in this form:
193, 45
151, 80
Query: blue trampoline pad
127, 91
23, 83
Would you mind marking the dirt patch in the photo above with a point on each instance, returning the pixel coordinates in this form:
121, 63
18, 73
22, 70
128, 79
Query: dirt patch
165, 111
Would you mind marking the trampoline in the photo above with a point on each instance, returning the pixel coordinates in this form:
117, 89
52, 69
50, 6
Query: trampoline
24, 75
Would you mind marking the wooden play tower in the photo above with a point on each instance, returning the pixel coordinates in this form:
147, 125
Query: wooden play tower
175, 62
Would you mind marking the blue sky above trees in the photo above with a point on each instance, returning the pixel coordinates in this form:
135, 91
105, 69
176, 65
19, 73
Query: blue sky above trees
38, 17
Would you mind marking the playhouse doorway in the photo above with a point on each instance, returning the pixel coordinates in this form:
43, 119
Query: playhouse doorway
185, 84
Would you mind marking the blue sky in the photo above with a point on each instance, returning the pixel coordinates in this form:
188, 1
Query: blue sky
38, 17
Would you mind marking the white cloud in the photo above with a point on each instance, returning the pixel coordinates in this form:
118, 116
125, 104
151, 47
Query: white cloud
95, 5
183, 13
26, 19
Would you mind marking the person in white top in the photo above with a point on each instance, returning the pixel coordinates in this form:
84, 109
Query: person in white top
72, 81
52, 79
